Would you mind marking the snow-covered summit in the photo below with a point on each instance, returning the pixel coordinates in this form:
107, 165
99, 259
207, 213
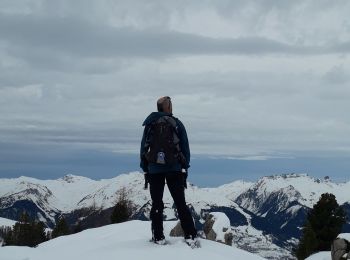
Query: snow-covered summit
129, 240
70, 178
302, 188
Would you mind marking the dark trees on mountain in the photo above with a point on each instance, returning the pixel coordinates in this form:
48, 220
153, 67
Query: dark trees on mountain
77, 228
61, 228
123, 209
39, 234
323, 224
26, 232
5, 234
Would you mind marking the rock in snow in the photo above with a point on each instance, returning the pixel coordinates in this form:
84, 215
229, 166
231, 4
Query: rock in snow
177, 231
217, 228
129, 240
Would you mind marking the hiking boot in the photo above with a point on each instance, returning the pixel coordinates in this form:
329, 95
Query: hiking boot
159, 240
192, 241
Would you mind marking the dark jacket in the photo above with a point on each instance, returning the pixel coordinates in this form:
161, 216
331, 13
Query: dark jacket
184, 146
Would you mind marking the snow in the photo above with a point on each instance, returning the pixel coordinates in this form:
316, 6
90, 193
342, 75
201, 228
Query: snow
293, 209
234, 189
345, 236
6, 222
70, 192
309, 188
320, 256
73, 192
256, 241
300, 188
128, 240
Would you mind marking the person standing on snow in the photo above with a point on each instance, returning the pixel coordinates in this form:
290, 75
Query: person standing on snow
165, 156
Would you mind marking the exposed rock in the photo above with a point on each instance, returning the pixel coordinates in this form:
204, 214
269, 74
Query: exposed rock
228, 238
208, 225
177, 231
217, 228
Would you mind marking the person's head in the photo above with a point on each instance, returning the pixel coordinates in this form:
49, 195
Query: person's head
164, 105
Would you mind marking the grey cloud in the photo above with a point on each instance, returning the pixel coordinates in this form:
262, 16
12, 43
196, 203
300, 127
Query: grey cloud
337, 75
10, 78
73, 134
77, 38
45, 60
97, 62
343, 47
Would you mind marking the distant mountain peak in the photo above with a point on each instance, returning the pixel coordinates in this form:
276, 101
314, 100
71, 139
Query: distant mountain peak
68, 178
71, 178
288, 176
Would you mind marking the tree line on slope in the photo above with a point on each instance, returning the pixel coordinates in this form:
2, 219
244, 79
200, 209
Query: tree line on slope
28, 232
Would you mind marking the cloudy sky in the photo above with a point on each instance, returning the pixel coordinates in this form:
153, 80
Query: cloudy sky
261, 86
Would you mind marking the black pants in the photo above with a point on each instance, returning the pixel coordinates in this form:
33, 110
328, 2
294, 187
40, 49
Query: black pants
175, 184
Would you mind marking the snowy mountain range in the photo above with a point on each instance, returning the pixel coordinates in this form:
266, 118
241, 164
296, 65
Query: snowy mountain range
266, 216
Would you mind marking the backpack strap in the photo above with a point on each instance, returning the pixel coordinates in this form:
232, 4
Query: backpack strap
148, 136
173, 121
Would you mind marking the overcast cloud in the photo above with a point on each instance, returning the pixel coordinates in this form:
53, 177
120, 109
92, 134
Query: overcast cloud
249, 79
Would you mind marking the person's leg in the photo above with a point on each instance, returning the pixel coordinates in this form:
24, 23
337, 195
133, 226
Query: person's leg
175, 184
157, 182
